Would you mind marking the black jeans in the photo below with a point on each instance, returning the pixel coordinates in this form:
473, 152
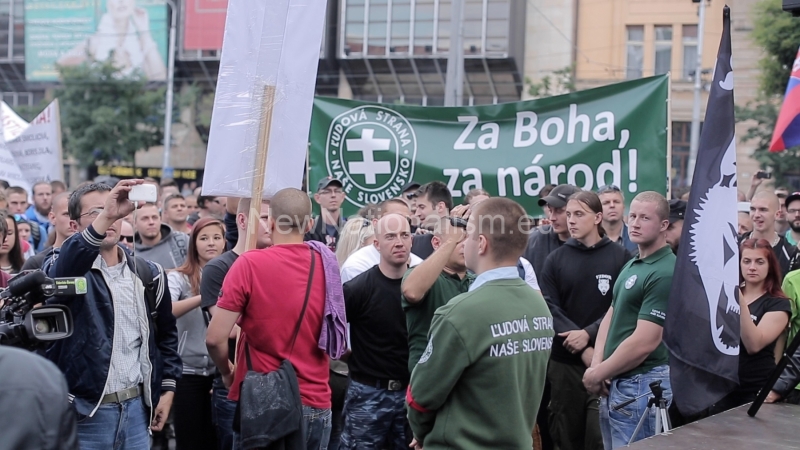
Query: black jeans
192, 406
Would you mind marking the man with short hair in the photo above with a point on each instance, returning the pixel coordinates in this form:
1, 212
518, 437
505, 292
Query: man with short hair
613, 201
61, 223
175, 213
781, 222
329, 197
264, 293
134, 364
433, 283
156, 241
208, 206
479, 382
18, 204
764, 210
628, 349
374, 409
793, 218
745, 223
58, 187
39, 210
434, 201
547, 239
677, 212
366, 257
210, 288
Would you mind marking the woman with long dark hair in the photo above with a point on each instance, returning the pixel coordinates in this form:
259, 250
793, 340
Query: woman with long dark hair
193, 424
764, 313
11, 259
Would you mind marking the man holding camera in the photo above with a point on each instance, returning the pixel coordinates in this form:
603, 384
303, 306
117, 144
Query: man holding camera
121, 362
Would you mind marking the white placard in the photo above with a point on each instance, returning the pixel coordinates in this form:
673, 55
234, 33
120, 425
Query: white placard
9, 170
37, 150
13, 124
275, 43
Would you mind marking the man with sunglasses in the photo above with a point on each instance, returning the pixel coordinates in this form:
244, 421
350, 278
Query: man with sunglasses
613, 201
329, 197
409, 194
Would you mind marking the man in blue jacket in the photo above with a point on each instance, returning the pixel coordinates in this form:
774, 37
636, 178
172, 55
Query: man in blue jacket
38, 212
121, 363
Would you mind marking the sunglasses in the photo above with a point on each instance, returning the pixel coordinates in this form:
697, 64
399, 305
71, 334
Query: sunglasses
608, 188
128, 239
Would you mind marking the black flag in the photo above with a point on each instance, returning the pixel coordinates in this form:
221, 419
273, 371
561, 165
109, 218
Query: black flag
702, 326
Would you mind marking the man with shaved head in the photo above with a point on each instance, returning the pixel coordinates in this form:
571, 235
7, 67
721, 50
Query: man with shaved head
374, 409
269, 292
764, 210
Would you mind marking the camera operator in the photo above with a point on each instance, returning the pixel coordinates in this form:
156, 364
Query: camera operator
34, 409
122, 358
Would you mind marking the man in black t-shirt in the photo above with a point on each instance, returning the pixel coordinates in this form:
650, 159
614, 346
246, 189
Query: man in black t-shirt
374, 410
210, 285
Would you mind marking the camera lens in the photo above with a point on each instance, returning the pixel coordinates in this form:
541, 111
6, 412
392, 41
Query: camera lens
42, 326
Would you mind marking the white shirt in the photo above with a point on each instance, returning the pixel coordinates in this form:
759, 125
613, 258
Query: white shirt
364, 259
530, 275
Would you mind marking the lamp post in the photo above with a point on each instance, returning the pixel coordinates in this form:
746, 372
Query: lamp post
694, 140
166, 169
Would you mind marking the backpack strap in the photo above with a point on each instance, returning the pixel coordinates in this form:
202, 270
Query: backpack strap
146, 276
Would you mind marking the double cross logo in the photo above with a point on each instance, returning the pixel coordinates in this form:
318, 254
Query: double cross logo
368, 144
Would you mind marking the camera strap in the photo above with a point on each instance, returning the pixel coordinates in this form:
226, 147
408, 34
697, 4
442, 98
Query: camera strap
146, 276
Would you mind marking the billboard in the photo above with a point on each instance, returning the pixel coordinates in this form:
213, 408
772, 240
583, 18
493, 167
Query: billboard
133, 33
204, 24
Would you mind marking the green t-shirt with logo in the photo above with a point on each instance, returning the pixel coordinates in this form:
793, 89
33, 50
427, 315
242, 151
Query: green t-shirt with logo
419, 315
641, 293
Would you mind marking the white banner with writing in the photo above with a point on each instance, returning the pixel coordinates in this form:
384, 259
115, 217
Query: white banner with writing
9, 170
13, 124
37, 150
267, 43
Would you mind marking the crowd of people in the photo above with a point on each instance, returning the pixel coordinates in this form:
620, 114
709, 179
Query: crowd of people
416, 323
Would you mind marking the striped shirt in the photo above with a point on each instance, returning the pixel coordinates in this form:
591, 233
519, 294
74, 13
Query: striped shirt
128, 355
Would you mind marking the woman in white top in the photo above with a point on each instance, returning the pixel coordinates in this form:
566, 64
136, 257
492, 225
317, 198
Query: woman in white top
192, 404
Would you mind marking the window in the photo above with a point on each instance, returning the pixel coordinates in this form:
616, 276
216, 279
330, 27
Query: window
681, 138
689, 51
635, 52
443, 29
5, 21
18, 49
423, 27
497, 24
354, 28
401, 23
663, 60
378, 16
473, 27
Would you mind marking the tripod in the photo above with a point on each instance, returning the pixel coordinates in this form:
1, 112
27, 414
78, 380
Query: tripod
658, 402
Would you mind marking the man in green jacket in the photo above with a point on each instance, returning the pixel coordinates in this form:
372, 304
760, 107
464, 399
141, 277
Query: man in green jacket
479, 382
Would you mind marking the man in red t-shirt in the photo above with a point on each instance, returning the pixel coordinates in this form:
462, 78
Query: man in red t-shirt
264, 292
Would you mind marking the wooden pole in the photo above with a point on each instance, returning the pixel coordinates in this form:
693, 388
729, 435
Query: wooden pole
260, 167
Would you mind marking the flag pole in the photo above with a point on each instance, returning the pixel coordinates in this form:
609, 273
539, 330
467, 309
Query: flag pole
260, 168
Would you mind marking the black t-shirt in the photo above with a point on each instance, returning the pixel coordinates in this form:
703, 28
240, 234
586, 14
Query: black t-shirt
422, 246
755, 369
378, 334
211, 284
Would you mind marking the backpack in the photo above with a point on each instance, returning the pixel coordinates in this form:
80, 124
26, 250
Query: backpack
146, 276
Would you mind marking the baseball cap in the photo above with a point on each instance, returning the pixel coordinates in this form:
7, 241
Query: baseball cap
410, 185
677, 210
559, 195
792, 197
327, 181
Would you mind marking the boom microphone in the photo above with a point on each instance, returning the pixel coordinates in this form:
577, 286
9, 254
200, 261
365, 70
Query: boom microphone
21, 285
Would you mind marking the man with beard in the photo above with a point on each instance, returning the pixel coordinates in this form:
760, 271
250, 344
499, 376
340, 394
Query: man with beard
793, 218
782, 222
677, 211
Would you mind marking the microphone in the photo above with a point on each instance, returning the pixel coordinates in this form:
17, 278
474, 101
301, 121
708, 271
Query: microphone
20, 286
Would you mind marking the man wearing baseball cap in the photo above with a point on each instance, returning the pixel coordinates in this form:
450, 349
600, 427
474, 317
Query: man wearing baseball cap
548, 238
329, 197
677, 211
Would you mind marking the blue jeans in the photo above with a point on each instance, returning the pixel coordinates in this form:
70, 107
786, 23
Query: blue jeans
374, 419
222, 412
618, 426
316, 426
116, 426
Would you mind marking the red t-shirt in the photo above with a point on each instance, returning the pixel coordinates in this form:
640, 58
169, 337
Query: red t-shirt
268, 288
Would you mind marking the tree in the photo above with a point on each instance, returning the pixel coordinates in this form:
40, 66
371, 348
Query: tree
106, 116
778, 33
561, 81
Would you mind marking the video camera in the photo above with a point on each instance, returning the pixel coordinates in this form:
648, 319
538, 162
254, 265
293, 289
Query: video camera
22, 324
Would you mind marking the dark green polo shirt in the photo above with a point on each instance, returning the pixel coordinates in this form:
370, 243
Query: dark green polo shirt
641, 293
419, 315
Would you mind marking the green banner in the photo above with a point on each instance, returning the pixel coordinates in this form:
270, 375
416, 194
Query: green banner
70, 32
615, 134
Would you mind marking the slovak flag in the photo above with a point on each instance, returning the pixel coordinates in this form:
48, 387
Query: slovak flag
787, 129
